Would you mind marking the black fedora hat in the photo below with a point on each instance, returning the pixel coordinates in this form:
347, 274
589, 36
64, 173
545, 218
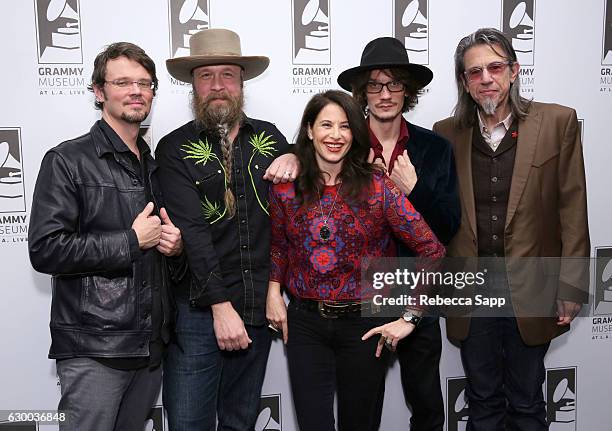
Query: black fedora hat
385, 53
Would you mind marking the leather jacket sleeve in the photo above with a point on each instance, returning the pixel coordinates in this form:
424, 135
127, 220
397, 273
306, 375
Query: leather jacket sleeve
56, 244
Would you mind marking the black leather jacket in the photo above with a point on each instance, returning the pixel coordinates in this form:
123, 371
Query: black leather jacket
85, 201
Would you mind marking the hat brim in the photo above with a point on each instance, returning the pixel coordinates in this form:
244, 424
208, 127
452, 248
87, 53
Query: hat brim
421, 74
181, 67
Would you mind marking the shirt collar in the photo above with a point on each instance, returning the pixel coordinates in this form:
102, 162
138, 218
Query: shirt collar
399, 146
506, 122
117, 143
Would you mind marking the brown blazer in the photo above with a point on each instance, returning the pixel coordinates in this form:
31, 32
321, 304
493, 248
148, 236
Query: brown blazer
546, 216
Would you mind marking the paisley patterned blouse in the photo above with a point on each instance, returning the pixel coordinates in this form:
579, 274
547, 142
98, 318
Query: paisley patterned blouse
326, 265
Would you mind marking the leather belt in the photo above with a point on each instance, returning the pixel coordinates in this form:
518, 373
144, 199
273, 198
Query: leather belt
335, 309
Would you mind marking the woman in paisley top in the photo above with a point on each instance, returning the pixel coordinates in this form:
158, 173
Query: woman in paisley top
339, 211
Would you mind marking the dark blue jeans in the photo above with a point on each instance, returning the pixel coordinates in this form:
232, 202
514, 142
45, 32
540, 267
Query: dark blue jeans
202, 383
504, 377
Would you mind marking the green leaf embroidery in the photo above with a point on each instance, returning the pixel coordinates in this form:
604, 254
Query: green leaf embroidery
263, 145
200, 151
212, 210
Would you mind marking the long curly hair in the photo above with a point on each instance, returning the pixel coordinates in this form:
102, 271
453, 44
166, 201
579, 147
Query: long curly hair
356, 172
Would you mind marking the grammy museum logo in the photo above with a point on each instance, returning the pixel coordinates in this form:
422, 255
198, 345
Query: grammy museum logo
601, 328
270, 414
59, 46
13, 216
311, 46
411, 27
605, 80
518, 24
185, 17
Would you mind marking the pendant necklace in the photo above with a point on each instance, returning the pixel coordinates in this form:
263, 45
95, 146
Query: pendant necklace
324, 232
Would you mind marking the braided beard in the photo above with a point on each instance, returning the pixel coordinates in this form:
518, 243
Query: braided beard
209, 116
218, 119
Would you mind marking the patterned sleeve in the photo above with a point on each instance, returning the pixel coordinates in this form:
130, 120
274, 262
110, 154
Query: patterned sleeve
278, 238
408, 225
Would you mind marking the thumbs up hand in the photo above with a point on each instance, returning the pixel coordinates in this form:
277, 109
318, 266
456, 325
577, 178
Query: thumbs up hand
147, 227
170, 242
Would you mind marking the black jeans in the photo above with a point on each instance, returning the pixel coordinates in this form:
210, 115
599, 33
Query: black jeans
419, 358
504, 377
328, 355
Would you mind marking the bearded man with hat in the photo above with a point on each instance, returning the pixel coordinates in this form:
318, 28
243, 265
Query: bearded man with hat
421, 164
213, 171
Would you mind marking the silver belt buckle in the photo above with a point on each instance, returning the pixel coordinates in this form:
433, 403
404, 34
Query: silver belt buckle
323, 311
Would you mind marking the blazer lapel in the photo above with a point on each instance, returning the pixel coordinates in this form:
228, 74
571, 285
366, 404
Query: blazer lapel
463, 160
528, 132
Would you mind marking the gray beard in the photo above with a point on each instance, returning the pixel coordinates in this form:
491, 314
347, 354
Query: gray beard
489, 106
210, 117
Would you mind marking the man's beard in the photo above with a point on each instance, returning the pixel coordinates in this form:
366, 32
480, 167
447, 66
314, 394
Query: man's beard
134, 118
210, 115
489, 105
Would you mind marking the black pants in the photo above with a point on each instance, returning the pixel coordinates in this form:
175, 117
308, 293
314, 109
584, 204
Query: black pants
504, 377
328, 356
419, 358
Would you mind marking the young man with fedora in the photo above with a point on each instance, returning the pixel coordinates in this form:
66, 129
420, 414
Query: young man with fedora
421, 163
212, 171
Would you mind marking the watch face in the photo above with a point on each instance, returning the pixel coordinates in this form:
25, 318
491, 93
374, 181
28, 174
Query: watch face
411, 318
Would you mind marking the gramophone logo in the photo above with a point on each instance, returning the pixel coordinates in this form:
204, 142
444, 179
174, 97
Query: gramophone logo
411, 27
11, 180
457, 409
561, 398
518, 24
607, 36
186, 18
603, 282
155, 421
269, 418
59, 32
311, 36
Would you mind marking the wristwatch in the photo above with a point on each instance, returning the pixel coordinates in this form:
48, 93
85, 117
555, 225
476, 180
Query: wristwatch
410, 317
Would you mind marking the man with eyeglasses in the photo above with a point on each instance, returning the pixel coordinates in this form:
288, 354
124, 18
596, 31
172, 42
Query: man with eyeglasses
421, 163
523, 194
98, 226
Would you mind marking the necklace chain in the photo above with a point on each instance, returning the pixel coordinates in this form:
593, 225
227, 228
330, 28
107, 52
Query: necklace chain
324, 232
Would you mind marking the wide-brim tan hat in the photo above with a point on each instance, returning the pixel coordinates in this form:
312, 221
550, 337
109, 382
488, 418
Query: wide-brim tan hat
215, 46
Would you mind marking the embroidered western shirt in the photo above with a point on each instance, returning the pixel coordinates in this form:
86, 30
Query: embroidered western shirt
228, 259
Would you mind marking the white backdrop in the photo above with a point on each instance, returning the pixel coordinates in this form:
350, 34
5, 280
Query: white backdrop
47, 51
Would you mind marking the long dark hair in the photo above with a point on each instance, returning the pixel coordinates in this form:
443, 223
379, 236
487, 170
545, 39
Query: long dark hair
356, 172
